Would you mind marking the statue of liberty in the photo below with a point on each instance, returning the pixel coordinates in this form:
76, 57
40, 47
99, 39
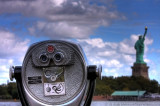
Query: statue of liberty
139, 46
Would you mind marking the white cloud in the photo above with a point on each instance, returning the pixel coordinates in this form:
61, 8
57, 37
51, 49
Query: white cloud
96, 42
58, 2
115, 57
113, 63
115, 75
111, 45
128, 59
147, 42
75, 4
11, 45
12, 50
4, 69
61, 30
2, 81
154, 74
63, 18
10, 61
106, 53
127, 45
126, 48
147, 60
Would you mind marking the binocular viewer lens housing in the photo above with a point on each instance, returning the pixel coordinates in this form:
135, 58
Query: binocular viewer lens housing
55, 73
43, 58
58, 56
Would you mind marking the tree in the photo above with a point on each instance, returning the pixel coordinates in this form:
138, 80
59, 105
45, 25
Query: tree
103, 90
12, 90
125, 83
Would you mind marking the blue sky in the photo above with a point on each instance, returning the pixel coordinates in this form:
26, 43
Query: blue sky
106, 29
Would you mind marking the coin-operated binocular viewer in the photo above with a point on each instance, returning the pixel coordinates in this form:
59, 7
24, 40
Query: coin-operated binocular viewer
55, 73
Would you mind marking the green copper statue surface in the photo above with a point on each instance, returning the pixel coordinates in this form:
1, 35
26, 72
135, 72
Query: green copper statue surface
139, 46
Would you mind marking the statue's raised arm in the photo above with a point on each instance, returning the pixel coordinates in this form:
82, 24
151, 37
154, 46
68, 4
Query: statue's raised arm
145, 32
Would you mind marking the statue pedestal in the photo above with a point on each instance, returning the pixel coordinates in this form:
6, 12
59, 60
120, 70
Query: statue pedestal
140, 70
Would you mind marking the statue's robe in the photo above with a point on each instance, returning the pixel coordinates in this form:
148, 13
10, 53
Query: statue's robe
139, 46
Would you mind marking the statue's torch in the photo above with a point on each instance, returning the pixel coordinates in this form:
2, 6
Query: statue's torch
145, 32
145, 28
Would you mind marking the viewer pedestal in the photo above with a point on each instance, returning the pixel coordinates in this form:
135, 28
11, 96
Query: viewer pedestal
140, 70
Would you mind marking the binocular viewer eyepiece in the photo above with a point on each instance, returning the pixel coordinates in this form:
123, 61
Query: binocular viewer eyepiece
55, 72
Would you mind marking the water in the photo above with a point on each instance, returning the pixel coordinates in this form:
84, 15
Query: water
125, 103
10, 104
102, 103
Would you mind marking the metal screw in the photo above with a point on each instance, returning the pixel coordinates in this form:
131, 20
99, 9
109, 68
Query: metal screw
99, 72
11, 73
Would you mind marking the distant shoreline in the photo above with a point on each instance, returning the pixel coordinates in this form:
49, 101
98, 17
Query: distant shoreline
9, 100
17, 100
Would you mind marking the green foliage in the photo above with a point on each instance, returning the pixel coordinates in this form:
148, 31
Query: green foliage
103, 90
109, 84
103, 87
12, 90
3, 89
8, 91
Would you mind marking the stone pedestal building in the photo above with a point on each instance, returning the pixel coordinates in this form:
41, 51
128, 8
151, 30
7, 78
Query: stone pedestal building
140, 70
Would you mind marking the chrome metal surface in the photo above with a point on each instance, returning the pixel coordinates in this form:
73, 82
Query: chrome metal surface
99, 72
11, 73
75, 75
